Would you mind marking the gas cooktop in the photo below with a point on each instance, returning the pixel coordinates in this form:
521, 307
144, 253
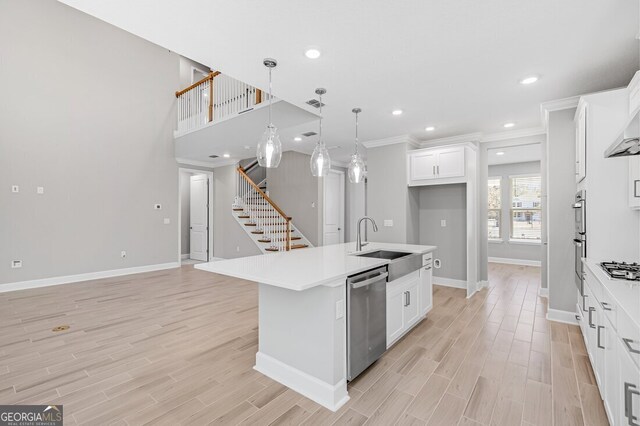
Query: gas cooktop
623, 271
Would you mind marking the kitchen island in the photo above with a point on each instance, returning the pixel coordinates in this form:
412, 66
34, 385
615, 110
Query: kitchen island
302, 307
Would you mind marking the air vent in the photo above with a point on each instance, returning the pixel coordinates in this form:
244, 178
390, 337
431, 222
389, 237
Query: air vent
214, 156
314, 103
307, 134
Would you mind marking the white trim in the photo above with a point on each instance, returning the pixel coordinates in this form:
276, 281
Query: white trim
329, 396
561, 316
392, 141
197, 163
543, 292
508, 261
89, 276
184, 256
483, 284
450, 282
209, 175
513, 134
525, 242
556, 105
469, 137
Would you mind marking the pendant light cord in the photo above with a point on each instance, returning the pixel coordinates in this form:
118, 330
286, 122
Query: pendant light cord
270, 97
356, 133
320, 133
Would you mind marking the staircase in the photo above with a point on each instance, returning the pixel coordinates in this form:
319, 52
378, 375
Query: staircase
267, 225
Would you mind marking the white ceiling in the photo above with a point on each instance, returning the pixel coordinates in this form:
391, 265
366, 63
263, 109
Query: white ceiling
514, 154
451, 64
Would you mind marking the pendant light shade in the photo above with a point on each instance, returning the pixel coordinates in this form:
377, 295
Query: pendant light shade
357, 168
269, 150
320, 160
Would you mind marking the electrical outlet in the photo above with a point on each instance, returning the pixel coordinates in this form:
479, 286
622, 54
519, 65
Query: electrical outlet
40, 190
15, 189
437, 263
388, 222
167, 221
443, 223
16, 264
157, 206
123, 254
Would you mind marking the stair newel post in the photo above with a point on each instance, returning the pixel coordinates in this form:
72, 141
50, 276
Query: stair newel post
211, 97
288, 237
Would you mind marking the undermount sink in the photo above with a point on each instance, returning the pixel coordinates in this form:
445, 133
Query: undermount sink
402, 263
384, 254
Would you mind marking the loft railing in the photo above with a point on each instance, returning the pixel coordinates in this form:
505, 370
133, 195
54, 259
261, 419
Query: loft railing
272, 224
230, 97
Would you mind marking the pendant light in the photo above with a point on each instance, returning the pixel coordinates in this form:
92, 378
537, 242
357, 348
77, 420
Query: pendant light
269, 150
320, 161
356, 165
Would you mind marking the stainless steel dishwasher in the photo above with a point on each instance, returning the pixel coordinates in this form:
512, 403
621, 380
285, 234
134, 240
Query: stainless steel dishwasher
366, 319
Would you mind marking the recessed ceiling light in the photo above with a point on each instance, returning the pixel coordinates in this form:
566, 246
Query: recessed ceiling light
529, 80
312, 53
508, 125
226, 155
297, 139
500, 153
396, 112
430, 129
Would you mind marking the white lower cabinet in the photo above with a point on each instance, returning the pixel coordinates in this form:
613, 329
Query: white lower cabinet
629, 387
408, 300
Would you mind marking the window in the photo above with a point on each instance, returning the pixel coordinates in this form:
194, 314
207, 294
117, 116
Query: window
525, 208
495, 203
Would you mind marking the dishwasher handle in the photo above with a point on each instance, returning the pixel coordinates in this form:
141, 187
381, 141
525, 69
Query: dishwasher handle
370, 280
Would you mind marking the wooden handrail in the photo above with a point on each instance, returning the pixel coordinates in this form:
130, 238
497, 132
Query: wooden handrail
250, 166
265, 196
211, 76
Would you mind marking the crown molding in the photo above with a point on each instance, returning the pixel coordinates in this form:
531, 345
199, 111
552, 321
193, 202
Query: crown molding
392, 141
513, 134
469, 137
189, 162
556, 105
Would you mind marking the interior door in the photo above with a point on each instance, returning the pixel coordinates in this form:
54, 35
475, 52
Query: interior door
198, 220
333, 228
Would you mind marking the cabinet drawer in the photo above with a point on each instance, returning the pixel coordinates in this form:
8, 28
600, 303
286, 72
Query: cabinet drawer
426, 259
629, 335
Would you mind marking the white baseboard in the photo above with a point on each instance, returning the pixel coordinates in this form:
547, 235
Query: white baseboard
521, 262
184, 256
562, 316
329, 396
483, 284
450, 282
68, 279
543, 292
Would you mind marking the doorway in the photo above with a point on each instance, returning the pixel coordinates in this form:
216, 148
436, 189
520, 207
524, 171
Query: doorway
333, 208
195, 230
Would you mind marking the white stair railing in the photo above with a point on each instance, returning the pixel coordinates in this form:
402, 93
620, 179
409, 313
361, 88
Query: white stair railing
230, 97
264, 215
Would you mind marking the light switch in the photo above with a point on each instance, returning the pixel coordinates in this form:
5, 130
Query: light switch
167, 221
40, 190
443, 223
388, 222
340, 309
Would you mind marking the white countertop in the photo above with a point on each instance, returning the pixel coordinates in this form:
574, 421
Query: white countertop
306, 268
625, 294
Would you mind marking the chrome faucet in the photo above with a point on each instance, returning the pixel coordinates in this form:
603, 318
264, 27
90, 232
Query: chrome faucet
359, 243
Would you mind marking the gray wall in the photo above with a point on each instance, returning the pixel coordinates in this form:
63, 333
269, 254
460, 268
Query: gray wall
448, 202
355, 208
229, 239
560, 225
89, 115
292, 187
387, 192
185, 211
505, 249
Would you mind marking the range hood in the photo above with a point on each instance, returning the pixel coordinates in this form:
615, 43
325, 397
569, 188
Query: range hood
628, 142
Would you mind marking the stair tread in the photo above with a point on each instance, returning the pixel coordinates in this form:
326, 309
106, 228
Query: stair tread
250, 224
257, 232
298, 246
239, 209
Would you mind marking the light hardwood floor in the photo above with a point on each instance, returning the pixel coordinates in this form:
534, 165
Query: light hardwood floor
178, 347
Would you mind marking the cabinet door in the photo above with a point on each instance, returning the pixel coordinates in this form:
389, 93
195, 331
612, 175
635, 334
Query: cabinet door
450, 162
581, 145
422, 165
634, 182
426, 289
629, 388
599, 348
395, 315
411, 303
611, 372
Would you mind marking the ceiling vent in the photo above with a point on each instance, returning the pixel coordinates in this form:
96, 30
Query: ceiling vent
214, 156
308, 134
315, 103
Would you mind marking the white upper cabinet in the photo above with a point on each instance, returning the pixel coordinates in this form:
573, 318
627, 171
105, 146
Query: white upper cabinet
434, 165
634, 182
581, 143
